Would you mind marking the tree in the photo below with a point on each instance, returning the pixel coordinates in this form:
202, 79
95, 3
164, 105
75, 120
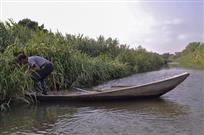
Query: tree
32, 25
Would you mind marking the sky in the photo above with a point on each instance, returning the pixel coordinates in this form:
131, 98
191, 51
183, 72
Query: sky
159, 26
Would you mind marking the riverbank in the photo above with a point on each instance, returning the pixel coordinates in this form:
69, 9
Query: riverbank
79, 61
192, 56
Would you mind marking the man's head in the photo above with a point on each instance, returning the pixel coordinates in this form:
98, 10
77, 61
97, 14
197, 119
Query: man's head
22, 58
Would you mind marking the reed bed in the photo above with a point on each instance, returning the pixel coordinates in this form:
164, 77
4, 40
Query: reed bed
78, 61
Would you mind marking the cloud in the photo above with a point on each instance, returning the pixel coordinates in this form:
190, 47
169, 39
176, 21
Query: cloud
152, 31
174, 21
183, 36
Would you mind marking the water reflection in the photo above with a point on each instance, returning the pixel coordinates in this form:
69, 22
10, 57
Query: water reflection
78, 118
32, 118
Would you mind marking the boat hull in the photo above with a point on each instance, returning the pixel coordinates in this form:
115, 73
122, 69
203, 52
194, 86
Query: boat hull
149, 90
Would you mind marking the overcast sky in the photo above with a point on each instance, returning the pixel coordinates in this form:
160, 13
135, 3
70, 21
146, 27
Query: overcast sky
158, 26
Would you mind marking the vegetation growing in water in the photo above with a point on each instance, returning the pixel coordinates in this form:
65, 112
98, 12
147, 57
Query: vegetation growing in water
78, 60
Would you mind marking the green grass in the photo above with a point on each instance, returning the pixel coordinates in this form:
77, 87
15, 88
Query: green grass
192, 56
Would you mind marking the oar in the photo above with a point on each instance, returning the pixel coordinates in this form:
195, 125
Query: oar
120, 86
79, 89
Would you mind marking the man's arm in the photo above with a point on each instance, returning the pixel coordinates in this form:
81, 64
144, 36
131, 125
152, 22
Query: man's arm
33, 66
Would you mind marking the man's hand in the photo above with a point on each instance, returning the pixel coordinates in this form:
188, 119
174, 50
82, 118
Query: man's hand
34, 68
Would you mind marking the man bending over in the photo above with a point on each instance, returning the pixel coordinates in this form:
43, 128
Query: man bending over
39, 67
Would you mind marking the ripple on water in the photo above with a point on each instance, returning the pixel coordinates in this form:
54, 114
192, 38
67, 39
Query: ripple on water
179, 112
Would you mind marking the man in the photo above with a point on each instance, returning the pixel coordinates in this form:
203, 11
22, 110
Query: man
40, 68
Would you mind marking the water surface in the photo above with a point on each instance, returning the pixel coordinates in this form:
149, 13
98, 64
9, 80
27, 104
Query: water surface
179, 112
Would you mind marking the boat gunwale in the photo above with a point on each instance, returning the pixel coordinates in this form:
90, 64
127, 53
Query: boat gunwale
123, 89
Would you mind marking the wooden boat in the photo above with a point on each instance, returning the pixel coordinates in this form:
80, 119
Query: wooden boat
153, 89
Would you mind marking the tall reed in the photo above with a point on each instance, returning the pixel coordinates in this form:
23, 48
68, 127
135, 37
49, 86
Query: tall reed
78, 60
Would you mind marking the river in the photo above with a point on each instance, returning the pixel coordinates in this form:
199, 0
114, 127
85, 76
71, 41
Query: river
179, 112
